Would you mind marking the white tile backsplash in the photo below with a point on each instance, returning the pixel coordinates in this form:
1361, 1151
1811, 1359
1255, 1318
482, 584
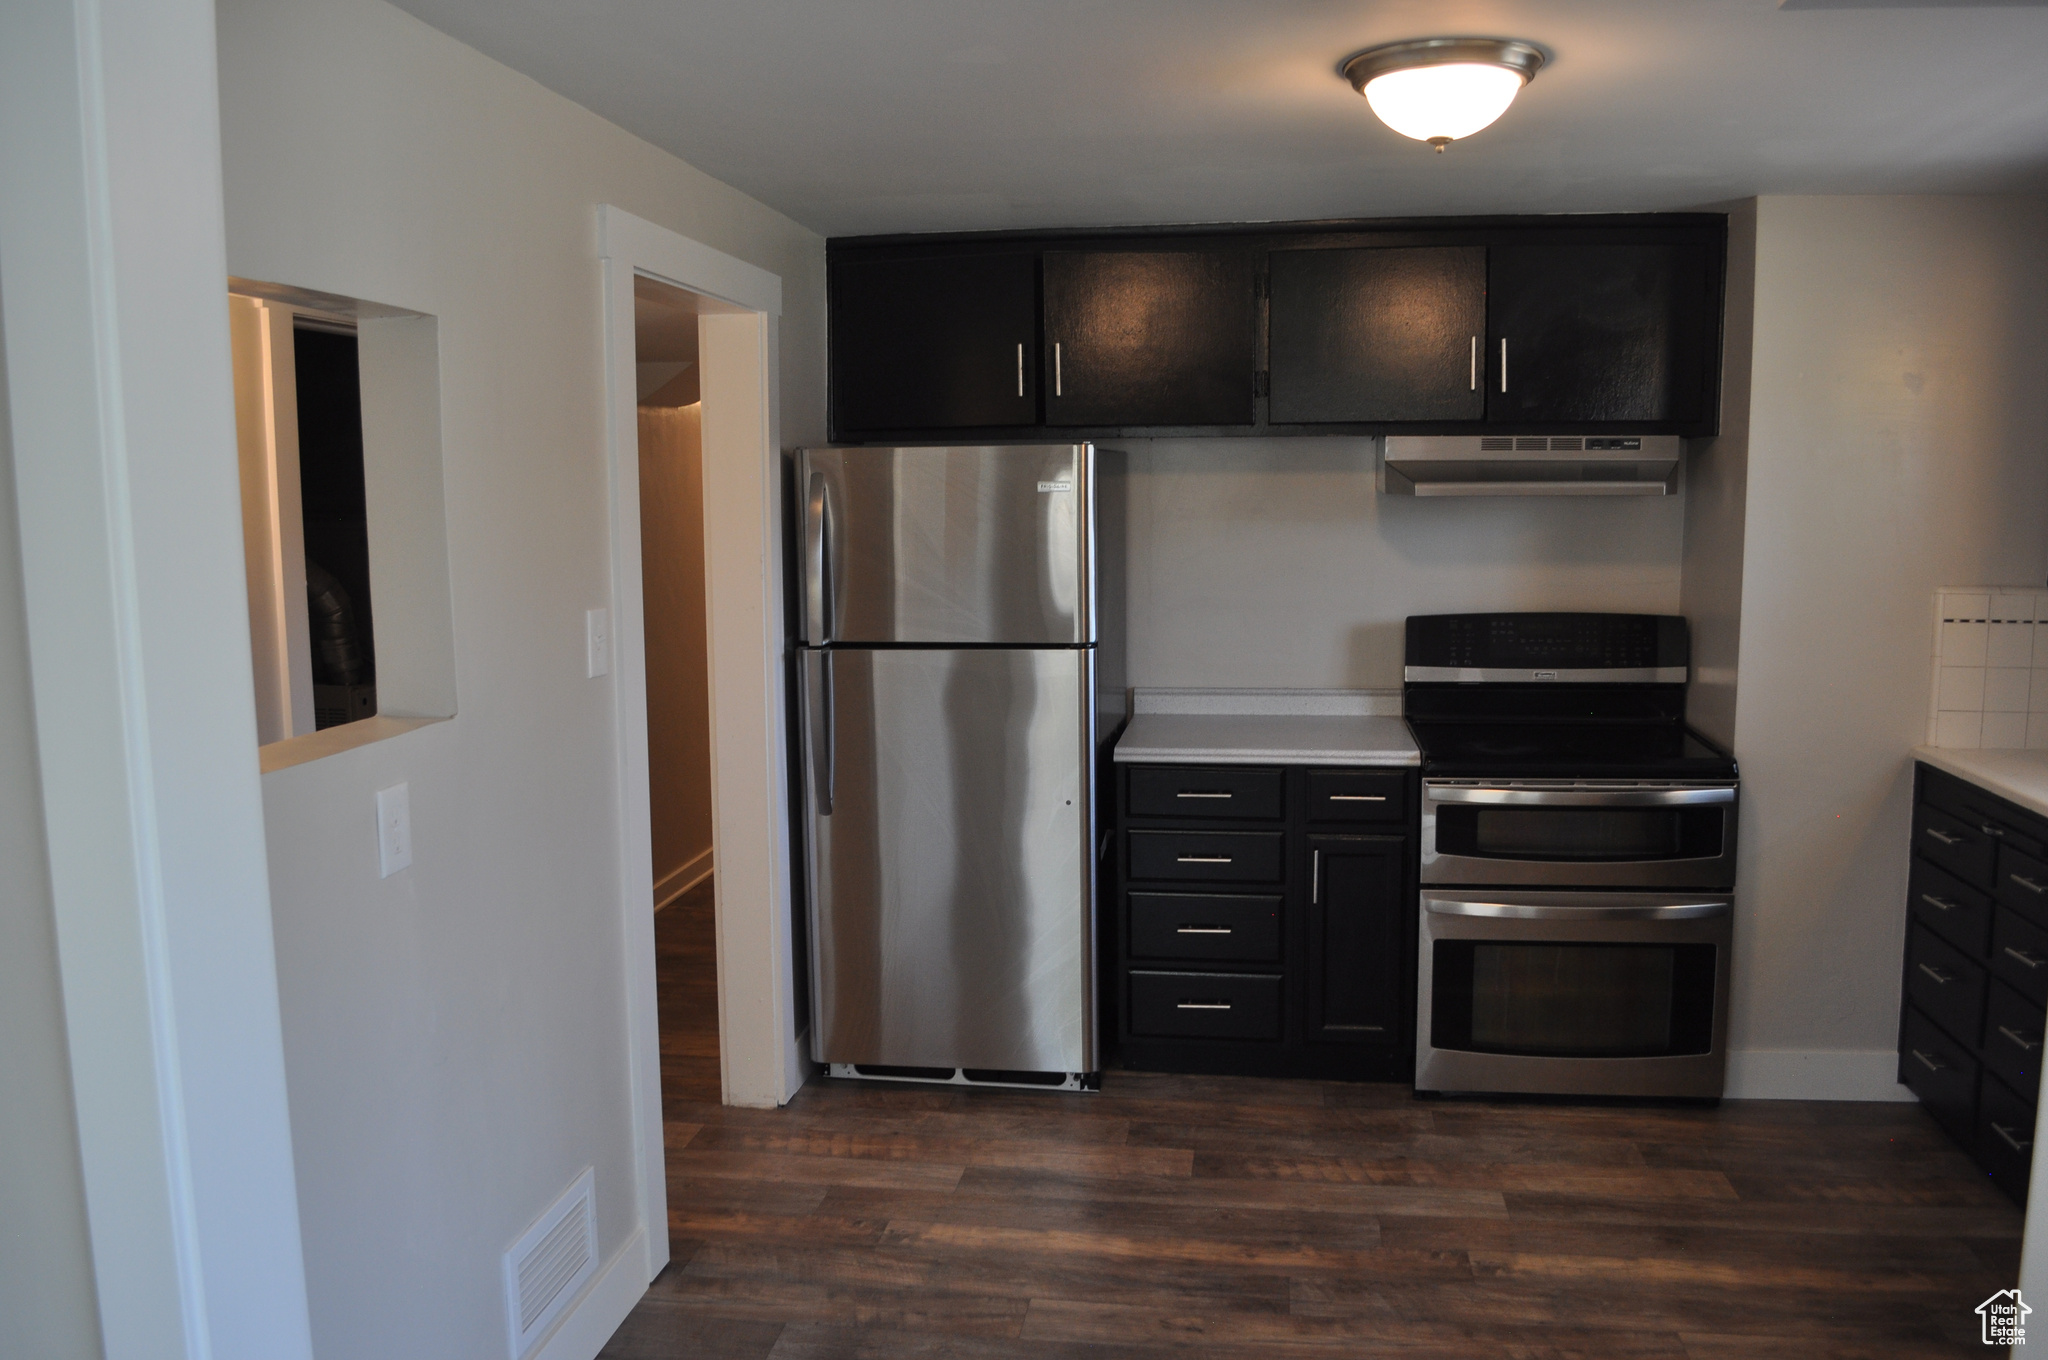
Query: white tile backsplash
1990, 668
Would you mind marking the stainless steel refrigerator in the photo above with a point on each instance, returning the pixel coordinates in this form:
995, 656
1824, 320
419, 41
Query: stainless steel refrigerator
949, 647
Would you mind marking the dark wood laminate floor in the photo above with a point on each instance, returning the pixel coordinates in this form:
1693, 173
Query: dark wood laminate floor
1239, 1218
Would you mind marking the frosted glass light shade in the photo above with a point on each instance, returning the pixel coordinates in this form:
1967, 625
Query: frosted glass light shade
1443, 103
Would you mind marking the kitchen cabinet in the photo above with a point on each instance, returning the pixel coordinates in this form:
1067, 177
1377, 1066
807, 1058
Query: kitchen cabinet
1377, 335
1975, 989
1161, 338
1262, 922
1594, 333
934, 343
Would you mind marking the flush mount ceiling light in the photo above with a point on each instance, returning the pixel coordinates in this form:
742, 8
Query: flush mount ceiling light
1437, 90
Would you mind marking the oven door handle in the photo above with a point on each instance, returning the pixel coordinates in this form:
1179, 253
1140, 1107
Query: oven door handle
1579, 797
1587, 909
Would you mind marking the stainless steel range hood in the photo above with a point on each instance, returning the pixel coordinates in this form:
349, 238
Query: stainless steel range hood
1530, 465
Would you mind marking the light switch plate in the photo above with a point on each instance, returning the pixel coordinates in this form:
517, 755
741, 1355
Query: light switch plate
597, 642
394, 829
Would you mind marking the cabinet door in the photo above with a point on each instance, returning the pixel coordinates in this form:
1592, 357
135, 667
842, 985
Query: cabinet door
1377, 335
1357, 971
1149, 338
1601, 333
935, 343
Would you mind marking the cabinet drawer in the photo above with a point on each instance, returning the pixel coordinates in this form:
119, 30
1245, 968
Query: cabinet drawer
1941, 902
1205, 926
1205, 1005
1202, 791
2012, 1039
1960, 847
1357, 796
1943, 983
2019, 954
1940, 1071
2005, 1136
1207, 856
2023, 884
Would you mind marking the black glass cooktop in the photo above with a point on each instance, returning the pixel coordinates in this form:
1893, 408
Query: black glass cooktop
1568, 750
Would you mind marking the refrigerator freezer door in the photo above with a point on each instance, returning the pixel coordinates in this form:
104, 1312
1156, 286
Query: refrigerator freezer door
939, 546
949, 800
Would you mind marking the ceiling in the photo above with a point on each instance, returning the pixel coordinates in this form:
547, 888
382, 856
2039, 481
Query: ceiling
861, 116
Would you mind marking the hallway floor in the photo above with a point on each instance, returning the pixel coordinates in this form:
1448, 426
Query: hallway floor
1240, 1218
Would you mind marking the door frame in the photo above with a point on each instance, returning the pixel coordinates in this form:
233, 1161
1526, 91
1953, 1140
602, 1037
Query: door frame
759, 1060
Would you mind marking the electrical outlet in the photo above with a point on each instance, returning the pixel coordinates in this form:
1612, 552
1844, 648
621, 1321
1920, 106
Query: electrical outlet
394, 829
597, 642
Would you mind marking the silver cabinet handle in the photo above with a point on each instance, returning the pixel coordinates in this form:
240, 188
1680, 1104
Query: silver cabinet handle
1315, 877
1020, 369
2026, 1045
1203, 859
2029, 884
1201, 795
1503, 363
2028, 959
1056, 369
1927, 1062
1931, 900
2016, 1144
1940, 979
1203, 930
1358, 798
1991, 831
1943, 836
1475, 363
1203, 1006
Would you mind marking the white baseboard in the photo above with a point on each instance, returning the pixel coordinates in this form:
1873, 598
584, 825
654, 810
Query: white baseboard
678, 881
1814, 1074
590, 1321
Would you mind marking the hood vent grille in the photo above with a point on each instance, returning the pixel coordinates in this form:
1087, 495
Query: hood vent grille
1530, 465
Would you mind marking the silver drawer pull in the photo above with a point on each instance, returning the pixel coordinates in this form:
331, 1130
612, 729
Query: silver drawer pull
2016, 1144
1203, 1006
1991, 831
1943, 979
1204, 859
1927, 1062
2022, 955
1358, 798
2026, 1045
2029, 884
1943, 836
1931, 900
1201, 795
1203, 930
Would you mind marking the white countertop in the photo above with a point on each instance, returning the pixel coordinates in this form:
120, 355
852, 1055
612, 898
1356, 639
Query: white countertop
2017, 776
1267, 727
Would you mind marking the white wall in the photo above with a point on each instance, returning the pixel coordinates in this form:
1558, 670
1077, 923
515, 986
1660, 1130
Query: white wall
1897, 441
1274, 562
46, 1287
455, 1034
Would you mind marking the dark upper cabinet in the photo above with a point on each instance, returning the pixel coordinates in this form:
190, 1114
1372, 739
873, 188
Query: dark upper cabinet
1587, 333
1150, 337
1357, 984
1377, 335
935, 342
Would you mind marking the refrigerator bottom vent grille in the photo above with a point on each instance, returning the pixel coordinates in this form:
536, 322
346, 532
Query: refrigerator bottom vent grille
972, 1076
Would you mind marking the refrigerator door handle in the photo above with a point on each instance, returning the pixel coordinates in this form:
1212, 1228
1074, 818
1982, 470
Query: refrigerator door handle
817, 562
819, 718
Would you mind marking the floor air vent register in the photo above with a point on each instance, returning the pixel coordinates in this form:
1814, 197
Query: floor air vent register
549, 1265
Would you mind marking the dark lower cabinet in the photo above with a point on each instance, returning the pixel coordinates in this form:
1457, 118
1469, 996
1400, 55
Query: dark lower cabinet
1379, 335
1150, 337
1271, 934
945, 342
1976, 971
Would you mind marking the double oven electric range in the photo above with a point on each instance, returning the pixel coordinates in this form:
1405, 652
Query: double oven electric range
1578, 859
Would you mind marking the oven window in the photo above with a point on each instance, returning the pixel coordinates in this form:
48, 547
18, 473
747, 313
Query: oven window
1578, 833
1573, 1000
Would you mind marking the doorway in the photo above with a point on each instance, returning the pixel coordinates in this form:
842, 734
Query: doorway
676, 647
